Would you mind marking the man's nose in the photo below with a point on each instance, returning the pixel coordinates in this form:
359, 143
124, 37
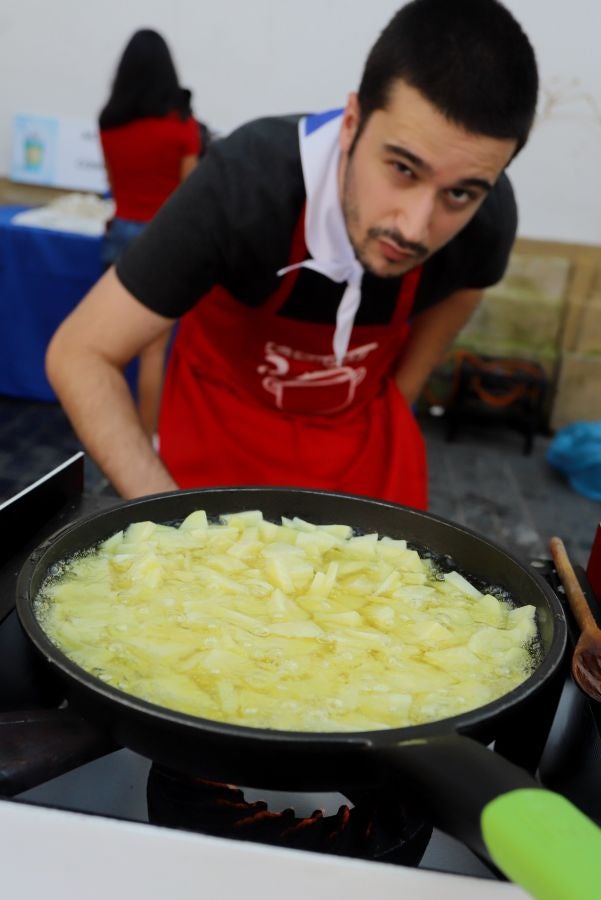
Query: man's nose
416, 214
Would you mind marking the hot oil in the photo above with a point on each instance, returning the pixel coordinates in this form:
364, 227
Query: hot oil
202, 656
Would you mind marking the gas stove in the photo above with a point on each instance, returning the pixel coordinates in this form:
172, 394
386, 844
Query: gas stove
129, 800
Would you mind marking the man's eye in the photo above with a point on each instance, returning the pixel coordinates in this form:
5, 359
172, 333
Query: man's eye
402, 169
460, 197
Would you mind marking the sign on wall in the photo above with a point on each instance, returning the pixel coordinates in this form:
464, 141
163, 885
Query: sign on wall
61, 153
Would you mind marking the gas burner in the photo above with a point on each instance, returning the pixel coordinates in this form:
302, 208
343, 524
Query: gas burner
373, 825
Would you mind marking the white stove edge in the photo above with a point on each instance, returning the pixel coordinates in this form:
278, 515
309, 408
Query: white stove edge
69, 856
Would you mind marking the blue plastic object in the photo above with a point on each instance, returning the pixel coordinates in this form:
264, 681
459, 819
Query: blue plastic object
576, 451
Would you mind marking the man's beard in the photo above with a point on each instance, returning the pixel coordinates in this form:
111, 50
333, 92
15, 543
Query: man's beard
350, 211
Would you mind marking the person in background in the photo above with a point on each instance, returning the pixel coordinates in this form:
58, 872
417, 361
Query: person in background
151, 143
206, 136
321, 265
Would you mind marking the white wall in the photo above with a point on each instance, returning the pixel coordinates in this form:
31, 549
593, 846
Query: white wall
244, 58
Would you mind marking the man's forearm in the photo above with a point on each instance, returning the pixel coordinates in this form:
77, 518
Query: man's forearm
97, 400
431, 335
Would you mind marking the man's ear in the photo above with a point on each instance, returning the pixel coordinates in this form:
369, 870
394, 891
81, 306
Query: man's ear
350, 122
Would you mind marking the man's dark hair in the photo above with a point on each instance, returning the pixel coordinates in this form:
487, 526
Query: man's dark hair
469, 58
145, 83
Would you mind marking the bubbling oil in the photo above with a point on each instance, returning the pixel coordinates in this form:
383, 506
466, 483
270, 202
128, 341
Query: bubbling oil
289, 626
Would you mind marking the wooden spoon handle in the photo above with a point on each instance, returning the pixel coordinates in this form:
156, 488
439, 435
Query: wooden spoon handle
574, 593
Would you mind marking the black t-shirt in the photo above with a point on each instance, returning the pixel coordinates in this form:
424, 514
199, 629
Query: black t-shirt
231, 224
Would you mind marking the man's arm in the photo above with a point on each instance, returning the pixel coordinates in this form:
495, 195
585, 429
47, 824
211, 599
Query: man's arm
431, 334
85, 363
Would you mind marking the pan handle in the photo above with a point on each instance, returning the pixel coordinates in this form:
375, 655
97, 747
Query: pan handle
37, 745
537, 838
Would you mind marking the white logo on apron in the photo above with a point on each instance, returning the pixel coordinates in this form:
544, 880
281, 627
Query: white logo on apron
298, 388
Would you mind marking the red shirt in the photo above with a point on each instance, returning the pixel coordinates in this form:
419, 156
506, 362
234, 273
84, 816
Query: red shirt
144, 161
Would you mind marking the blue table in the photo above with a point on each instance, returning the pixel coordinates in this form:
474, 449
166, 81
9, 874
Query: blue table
43, 275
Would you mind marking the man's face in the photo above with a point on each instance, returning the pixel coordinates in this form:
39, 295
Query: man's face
413, 180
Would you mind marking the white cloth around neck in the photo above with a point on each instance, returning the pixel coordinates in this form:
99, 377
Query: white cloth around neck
326, 236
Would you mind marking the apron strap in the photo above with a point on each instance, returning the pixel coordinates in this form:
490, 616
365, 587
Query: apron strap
298, 253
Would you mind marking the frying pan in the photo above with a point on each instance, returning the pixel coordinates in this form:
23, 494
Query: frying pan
535, 837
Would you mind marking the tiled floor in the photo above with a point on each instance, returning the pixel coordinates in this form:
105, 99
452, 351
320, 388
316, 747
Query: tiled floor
484, 481
481, 480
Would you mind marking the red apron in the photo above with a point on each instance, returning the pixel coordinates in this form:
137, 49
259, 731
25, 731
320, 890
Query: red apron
254, 398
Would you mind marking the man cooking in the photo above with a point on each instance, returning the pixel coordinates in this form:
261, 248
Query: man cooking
320, 265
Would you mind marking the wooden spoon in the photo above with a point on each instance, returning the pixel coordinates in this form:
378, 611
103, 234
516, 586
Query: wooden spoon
586, 660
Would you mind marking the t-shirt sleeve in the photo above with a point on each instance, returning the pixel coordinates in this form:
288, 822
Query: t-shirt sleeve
179, 255
493, 237
229, 219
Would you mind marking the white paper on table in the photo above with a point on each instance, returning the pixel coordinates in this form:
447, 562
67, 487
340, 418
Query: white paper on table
77, 213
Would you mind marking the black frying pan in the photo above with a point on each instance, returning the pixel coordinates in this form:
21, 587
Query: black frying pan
472, 793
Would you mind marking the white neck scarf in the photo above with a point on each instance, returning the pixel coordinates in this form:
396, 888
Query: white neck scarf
326, 236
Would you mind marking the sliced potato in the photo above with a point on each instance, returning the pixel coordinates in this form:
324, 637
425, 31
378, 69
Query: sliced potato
291, 626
